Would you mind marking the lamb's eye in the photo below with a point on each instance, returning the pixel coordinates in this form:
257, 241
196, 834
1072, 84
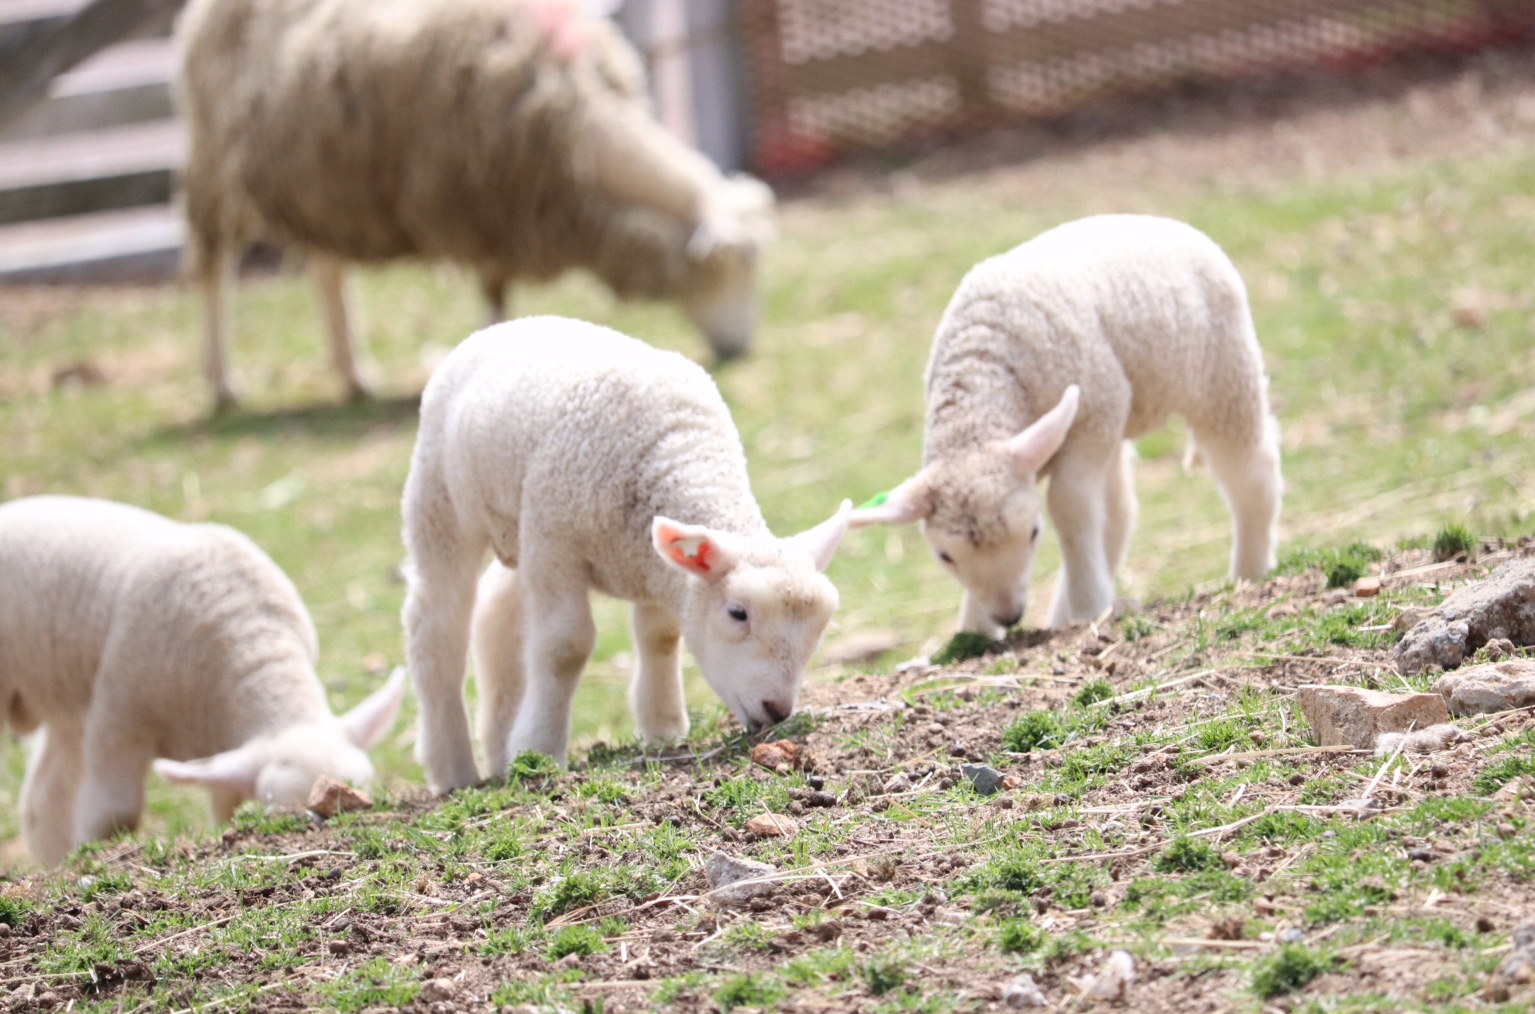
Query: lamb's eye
946, 558
1035, 533
737, 613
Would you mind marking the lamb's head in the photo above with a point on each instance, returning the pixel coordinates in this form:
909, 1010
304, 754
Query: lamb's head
720, 292
754, 609
981, 511
280, 767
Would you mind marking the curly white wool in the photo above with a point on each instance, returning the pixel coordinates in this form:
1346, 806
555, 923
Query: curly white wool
1052, 357
513, 137
126, 637
584, 459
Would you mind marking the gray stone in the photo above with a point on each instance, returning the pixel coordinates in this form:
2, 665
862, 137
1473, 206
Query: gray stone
1483, 689
985, 779
1503, 606
1354, 716
735, 882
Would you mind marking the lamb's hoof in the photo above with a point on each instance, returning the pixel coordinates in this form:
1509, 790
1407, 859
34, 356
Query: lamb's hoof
225, 402
358, 391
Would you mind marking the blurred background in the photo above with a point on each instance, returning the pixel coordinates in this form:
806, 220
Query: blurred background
1368, 164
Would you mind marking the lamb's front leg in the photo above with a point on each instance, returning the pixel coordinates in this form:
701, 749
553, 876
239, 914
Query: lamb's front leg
1077, 502
656, 694
48, 794
560, 638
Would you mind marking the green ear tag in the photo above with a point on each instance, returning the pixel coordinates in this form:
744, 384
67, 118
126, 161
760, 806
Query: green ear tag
877, 500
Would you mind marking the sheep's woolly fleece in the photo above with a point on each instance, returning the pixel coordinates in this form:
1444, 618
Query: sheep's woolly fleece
498, 103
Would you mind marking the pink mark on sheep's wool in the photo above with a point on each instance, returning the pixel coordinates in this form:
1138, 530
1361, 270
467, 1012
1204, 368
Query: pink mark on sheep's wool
561, 22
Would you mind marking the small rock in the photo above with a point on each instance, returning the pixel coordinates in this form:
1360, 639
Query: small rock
826, 931
820, 799
1293, 935
1407, 619
1517, 970
899, 783
776, 755
1353, 716
1021, 991
1367, 587
1497, 607
735, 881
338, 947
1500, 648
985, 779
772, 825
1484, 689
1098, 899
1114, 978
1422, 855
83, 373
438, 991
1231, 860
816, 782
913, 665
861, 646
1231, 928
329, 797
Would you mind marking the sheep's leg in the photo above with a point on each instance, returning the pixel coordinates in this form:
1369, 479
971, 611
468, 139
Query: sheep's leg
216, 277
656, 694
438, 608
345, 355
974, 618
497, 640
494, 290
111, 797
48, 794
1086, 586
1122, 509
560, 638
1249, 478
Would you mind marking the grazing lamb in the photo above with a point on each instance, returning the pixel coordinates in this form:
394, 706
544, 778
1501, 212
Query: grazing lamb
511, 136
588, 460
1048, 360
125, 637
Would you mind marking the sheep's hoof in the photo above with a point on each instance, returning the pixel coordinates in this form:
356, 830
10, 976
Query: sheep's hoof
224, 402
358, 391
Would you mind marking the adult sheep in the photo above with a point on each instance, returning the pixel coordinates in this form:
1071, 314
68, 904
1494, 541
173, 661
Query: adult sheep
1048, 360
127, 639
510, 136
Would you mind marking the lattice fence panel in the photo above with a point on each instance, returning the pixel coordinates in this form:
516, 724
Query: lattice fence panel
832, 76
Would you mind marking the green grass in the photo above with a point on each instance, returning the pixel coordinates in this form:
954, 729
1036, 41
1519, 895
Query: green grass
1385, 401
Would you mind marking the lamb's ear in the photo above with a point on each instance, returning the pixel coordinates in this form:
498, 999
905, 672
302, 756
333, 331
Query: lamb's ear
1031, 449
903, 505
366, 724
694, 549
822, 540
232, 769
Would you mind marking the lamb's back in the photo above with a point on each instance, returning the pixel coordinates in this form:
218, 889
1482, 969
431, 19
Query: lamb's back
1115, 303
585, 434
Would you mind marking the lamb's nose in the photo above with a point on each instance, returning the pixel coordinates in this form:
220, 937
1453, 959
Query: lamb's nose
1009, 621
775, 711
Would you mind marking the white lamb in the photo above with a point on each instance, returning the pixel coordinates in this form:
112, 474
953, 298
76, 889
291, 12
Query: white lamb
1048, 360
126, 637
588, 460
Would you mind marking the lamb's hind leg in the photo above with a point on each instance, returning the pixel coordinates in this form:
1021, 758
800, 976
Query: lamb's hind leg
1249, 478
498, 637
1077, 498
48, 794
346, 356
1122, 509
111, 797
656, 694
438, 609
560, 639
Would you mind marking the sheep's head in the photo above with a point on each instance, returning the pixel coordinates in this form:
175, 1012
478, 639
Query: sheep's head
981, 511
755, 609
721, 294
279, 768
